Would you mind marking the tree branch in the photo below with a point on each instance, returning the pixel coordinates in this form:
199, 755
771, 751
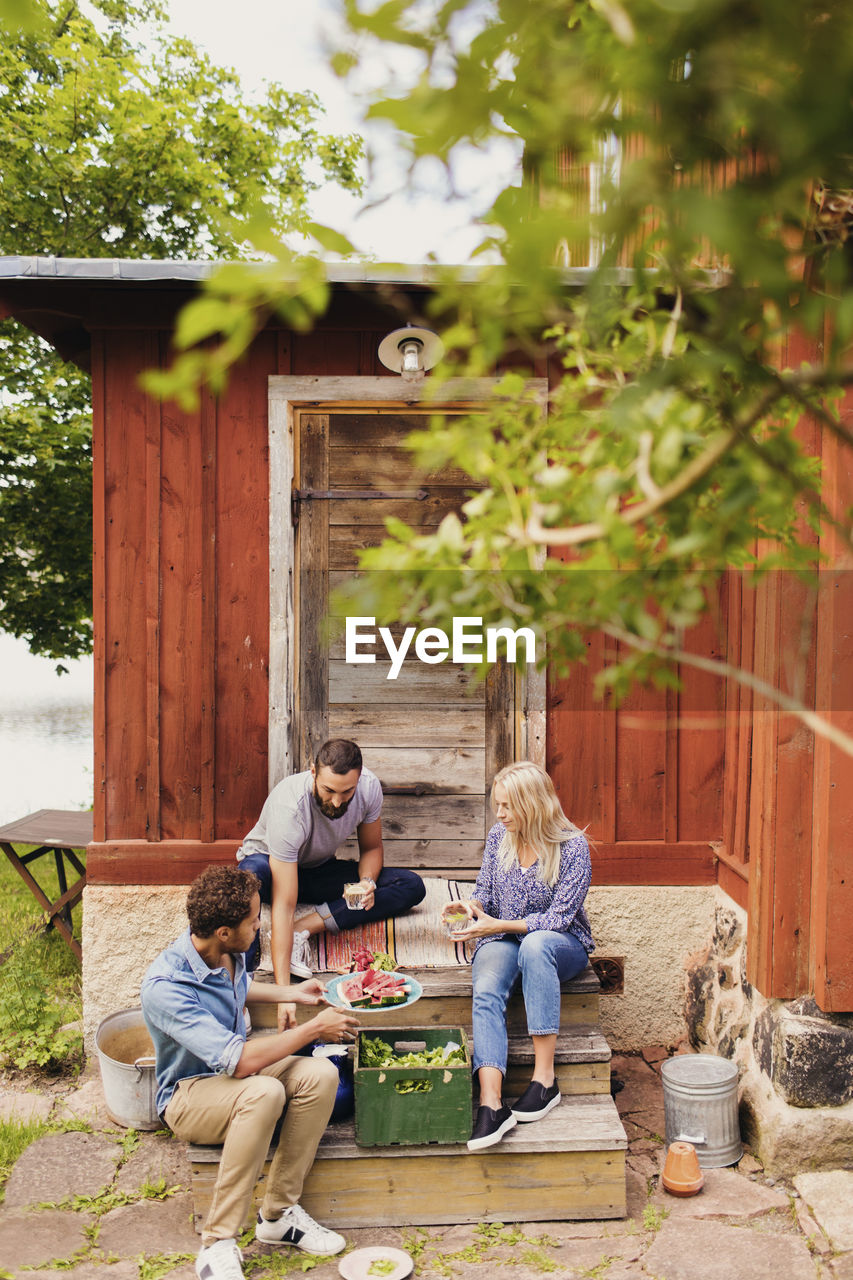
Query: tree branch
791, 384
818, 724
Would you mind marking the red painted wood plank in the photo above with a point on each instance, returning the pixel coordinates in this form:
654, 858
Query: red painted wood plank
242, 606
578, 738
180, 572
99, 585
702, 732
327, 352
153, 427
207, 778
653, 862
832, 896
641, 742
124, 625
142, 862
179, 861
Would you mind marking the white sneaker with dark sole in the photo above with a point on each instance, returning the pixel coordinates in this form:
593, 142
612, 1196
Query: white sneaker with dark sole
298, 1228
221, 1260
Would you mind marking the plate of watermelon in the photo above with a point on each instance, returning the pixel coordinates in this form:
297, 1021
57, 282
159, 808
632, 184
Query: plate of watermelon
373, 991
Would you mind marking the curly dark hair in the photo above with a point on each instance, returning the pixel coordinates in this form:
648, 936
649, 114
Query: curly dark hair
340, 755
220, 896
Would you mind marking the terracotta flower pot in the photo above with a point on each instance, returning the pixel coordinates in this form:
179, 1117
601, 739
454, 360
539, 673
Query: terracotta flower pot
681, 1173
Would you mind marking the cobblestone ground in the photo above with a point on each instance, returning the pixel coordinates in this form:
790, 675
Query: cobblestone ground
98, 1205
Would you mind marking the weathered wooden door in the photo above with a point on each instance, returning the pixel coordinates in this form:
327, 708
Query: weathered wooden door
433, 736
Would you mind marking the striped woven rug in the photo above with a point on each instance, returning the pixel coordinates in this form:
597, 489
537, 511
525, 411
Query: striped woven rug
416, 940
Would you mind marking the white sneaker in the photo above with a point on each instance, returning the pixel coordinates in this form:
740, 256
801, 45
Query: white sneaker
220, 1261
297, 1227
300, 958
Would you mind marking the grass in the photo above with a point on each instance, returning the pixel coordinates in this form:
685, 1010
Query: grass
40, 980
15, 1137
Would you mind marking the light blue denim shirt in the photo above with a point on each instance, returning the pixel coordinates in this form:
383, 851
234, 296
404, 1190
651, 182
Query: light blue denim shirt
195, 1016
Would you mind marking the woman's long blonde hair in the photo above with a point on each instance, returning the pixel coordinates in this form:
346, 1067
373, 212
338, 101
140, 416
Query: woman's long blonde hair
542, 824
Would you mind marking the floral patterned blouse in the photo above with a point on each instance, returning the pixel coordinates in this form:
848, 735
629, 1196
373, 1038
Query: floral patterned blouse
520, 894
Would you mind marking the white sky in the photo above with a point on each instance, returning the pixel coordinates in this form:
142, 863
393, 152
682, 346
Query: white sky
281, 40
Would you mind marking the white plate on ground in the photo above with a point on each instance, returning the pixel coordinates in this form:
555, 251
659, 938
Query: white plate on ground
356, 1265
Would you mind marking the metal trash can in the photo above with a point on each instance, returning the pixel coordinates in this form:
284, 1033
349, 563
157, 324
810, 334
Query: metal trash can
700, 1105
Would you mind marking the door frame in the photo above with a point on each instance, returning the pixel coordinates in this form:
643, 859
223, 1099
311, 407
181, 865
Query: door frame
287, 395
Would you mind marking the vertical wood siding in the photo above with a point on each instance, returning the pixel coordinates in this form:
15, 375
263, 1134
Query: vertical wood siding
646, 777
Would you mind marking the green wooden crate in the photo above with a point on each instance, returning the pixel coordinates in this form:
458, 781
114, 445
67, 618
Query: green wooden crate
384, 1116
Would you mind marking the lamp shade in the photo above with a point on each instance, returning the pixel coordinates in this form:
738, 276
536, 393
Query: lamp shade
420, 345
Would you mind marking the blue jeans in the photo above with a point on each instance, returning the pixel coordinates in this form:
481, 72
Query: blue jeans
397, 891
542, 960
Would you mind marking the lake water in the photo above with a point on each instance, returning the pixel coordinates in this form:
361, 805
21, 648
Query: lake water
45, 733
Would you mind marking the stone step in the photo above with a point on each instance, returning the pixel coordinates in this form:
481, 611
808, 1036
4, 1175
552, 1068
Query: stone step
446, 1002
569, 1165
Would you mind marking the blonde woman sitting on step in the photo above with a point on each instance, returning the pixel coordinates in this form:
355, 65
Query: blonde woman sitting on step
528, 919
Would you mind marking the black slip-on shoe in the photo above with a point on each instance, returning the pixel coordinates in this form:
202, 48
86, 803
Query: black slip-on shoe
536, 1101
490, 1126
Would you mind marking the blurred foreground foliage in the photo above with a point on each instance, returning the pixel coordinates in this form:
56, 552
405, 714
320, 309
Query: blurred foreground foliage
119, 140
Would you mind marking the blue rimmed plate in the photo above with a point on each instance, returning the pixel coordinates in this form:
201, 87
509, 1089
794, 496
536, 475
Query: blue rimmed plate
334, 997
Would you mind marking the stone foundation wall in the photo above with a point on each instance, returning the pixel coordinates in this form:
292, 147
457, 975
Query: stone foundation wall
124, 928
653, 929
796, 1063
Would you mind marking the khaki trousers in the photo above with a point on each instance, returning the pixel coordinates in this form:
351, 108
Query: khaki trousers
242, 1114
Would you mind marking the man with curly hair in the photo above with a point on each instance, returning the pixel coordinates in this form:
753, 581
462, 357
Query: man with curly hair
214, 1085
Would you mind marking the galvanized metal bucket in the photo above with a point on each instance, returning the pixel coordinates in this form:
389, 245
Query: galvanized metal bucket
700, 1105
126, 1059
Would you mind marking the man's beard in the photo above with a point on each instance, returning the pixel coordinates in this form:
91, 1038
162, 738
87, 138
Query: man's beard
328, 810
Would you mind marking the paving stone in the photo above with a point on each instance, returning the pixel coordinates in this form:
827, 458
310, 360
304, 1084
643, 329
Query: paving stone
645, 1146
29, 1239
95, 1269
841, 1268
86, 1103
815, 1237
749, 1164
25, 1106
645, 1165
157, 1157
643, 1092
726, 1194
183, 1271
161, 1226
587, 1255
62, 1165
606, 1229
654, 1054
695, 1250
636, 1193
829, 1195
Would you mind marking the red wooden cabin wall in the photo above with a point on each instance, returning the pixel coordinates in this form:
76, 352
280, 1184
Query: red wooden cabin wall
647, 776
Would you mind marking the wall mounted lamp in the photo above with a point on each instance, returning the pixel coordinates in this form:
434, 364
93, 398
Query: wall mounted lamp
411, 351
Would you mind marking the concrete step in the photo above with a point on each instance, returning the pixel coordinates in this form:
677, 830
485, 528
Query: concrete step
569, 1165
